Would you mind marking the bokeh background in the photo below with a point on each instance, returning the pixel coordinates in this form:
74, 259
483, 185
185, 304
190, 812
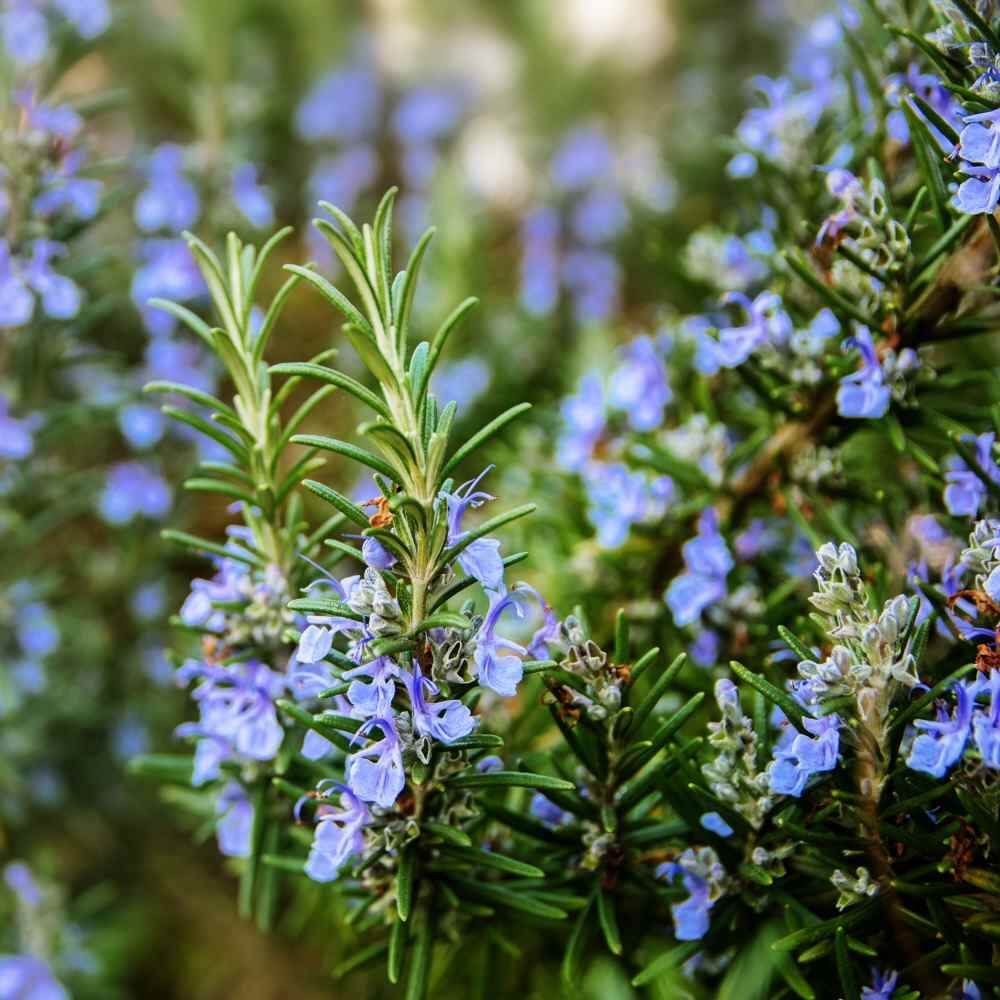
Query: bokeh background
568, 152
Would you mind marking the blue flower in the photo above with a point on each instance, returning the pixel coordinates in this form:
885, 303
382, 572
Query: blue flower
863, 394
251, 197
965, 493
584, 158
883, 985
133, 490
234, 825
427, 114
237, 717
141, 425
17, 435
376, 555
167, 271
28, 977
702, 876
339, 835
620, 497
547, 812
583, 421
599, 216
481, 559
593, 279
716, 824
986, 723
708, 563
942, 741
25, 33
539, 290
90, 17
979, 152
797, 759
444, 721
22, 883
639, 385
37, 629
62, 190
343, 105
169, 201
495, 664
767, 323
375, 772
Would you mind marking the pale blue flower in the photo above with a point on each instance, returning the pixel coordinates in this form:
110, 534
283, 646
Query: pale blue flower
481, 559
234, 823
375, 772
864, 393
444, 721
339, 834
965, 493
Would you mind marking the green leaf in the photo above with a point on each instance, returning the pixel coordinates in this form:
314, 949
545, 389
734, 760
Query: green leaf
795, 644
397, 951
189, 392
194, 322
443, 619
335, 297
449, 834
784, 701
360, 958
608, 920
482, 436
824, 928
513, 900
834, 299
351, 451
656, 692
172, 767
508, 779
203, 546
346, 507
333, 377
575, 947
437, 344
408, 289
406, 881
209, 430
202, 485
490, 859
620, 654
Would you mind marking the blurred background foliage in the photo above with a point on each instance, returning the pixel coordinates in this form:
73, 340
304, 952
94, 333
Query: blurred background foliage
470, 108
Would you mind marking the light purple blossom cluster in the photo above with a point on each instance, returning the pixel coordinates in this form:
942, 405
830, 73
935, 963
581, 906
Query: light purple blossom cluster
26, 26
403, 710
567, 244
704, 878
346, 115
592, 442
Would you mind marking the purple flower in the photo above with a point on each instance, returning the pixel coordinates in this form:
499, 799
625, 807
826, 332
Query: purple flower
237, 715
593, 279
547, 812
17, 436
375, 773
169, 201
883, 985
495, 664
339, 835
444, 721
583, 423
62, 190
141, 425
767, 323
167, 271
708, 563
251, 197
24, 977
691, 916
713, 822
619, 497
343, 105
600, 216
864, 393
639, 385
704, 650
461, 382
90, 17
427, 114
797, 759
584, 158
481, 559
986, 723
942, 741
376, 555
133, 490
539, 291
25, 33
965, 493
16, 301
58, 120
22, 883
37, 630
979, 152
234, 825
